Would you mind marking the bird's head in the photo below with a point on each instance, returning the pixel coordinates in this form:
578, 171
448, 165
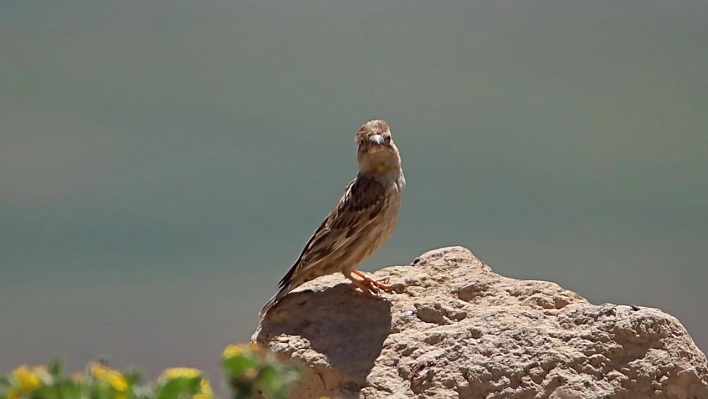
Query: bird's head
377, 152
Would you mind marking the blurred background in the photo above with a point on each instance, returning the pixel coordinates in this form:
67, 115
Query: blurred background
162, 164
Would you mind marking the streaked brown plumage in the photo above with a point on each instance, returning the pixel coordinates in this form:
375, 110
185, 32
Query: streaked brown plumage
361, 222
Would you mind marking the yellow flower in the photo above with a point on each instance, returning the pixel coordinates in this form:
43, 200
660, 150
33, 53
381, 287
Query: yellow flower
206, 388
29, 380
232, 351
182, 372
117, 381
99, 371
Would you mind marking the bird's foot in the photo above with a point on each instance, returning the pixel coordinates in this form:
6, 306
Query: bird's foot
369, 285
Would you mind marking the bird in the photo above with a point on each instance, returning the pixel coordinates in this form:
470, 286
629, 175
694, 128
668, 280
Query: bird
363, 219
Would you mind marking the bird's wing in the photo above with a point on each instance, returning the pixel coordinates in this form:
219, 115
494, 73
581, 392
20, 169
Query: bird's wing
362, 200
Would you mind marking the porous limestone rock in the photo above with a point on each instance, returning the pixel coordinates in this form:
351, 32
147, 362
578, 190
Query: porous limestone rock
455, 329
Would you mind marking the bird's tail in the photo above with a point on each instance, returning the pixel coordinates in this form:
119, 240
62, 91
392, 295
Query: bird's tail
287, 284
283, 291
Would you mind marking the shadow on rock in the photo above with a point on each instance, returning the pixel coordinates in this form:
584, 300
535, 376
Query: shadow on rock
340, 322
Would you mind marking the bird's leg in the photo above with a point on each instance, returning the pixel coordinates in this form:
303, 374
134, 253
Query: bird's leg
373, 285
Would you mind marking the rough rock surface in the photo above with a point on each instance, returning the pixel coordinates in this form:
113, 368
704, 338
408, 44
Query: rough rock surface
455, 329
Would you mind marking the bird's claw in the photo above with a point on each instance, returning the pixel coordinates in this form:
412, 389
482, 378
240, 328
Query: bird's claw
371, 286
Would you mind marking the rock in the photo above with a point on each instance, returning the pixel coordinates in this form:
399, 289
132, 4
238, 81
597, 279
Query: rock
455, 329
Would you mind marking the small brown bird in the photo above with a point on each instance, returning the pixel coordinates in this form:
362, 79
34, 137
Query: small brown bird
361, 222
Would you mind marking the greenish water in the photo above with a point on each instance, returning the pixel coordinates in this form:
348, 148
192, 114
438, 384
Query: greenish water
162, 164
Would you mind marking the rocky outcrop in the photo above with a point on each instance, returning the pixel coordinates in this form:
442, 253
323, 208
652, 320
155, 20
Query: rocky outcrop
455, 329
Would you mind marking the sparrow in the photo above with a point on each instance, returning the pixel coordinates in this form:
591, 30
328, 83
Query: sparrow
362, 221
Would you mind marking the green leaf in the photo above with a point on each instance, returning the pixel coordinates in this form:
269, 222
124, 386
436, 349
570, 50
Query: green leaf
133, 377
45, 393
69, 390
173, 388
104, 391
238, 365
55, 367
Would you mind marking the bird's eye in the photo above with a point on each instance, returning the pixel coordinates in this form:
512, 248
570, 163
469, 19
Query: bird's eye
387, 139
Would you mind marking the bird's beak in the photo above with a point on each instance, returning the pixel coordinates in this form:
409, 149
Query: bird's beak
377, 139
